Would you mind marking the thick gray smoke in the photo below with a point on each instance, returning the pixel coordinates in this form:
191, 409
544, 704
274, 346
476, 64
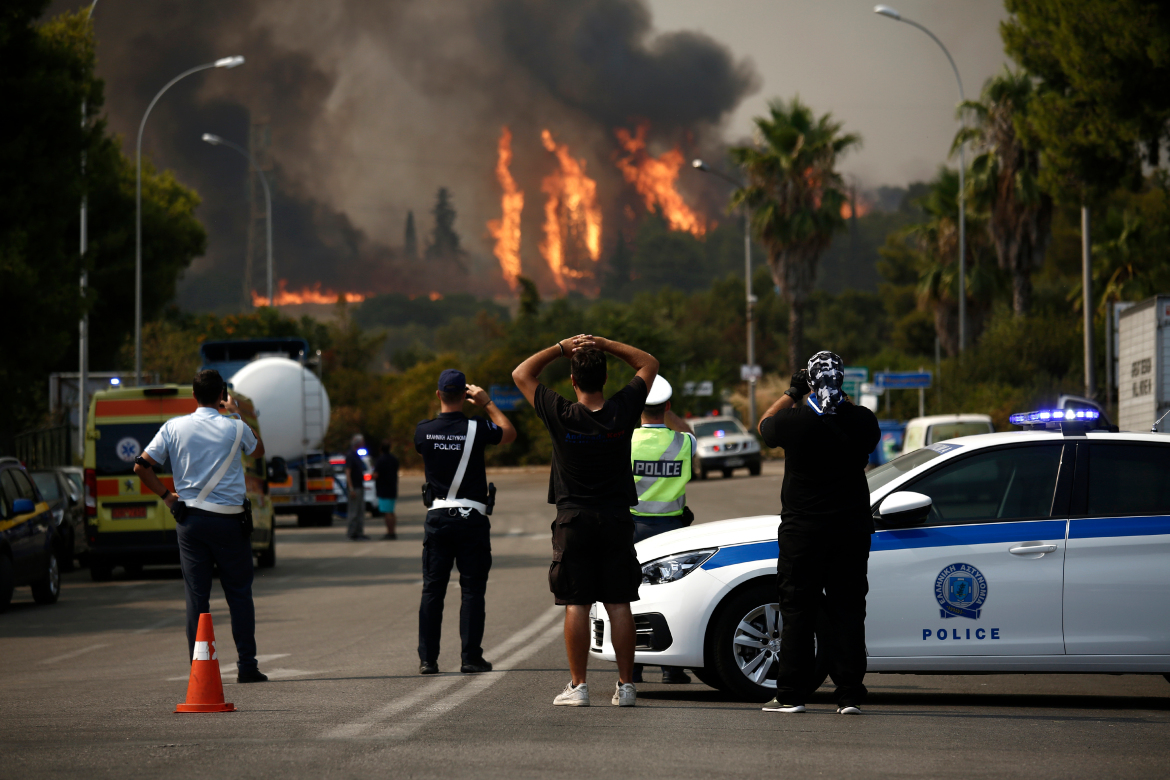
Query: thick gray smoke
373, 105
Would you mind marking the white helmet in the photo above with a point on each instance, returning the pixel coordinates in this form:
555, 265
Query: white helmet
660, 391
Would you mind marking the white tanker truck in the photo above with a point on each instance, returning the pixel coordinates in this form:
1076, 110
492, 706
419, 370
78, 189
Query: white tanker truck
293, 409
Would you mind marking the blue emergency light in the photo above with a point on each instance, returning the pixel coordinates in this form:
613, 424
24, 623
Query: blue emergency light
1056, 418
115, 381
363, 452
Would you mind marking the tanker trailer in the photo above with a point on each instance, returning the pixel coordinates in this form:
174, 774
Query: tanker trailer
293, 409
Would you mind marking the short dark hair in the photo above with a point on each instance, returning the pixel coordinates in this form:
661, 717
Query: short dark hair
208, 386
453, 397
386, 447
654, 410
588, 368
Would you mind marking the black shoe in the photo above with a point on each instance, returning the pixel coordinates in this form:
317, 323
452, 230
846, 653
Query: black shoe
359, 538
428, 667
475, 667
637, 673
389, 537
251, 676
674, 675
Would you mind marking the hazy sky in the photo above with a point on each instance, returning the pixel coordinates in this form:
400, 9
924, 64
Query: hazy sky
886, 80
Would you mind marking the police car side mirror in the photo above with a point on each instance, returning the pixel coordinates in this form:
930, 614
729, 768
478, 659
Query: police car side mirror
277, 470
22, 506
903, 509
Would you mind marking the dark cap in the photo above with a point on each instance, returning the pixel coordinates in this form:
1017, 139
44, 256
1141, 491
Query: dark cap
452, 381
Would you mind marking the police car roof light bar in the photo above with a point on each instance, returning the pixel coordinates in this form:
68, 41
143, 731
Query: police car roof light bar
1052, 419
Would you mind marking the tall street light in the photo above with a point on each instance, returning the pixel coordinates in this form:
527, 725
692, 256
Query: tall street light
224, 62
885, 10
747, 283
215, 140
83, 325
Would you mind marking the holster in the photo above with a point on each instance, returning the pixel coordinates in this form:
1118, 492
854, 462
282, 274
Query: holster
428, 495
688, 516
179, 511
491, 500
246, 525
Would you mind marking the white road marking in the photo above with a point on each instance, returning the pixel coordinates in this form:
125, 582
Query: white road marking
413, 722
74, 654
228, 668
433, 687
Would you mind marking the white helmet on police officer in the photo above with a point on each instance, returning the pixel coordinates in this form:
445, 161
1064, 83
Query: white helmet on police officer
660, 391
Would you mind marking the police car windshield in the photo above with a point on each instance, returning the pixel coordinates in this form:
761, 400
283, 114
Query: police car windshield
900, 465
718, 428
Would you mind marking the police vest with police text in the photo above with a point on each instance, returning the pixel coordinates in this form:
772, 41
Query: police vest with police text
662, 467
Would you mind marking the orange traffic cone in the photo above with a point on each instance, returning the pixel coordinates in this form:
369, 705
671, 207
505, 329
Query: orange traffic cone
205, 688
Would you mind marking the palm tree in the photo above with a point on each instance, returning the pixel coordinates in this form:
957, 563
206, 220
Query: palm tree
795, 194
1004, 180
936, 243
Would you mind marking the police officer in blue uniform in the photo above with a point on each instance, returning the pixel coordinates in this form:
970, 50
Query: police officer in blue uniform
457, 530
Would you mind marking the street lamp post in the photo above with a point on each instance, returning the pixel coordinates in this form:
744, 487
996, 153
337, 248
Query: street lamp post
747, 283
83, 324
224, 62
885, 10
215, 140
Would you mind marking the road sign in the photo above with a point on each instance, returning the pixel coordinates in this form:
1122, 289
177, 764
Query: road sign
747, 372
902, 380
868, 388
506, 398
700, 389
854, 376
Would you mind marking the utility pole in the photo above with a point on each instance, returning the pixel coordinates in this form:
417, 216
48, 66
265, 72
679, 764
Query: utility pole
1087, 303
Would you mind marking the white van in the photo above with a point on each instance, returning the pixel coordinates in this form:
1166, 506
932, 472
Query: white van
925, 431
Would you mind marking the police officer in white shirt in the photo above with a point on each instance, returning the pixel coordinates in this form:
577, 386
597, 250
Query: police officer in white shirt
211, 516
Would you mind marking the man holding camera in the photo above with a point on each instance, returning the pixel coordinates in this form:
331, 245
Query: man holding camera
824, 532
212, 516
457, 529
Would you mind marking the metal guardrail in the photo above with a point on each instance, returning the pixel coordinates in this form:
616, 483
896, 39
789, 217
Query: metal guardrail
44, 447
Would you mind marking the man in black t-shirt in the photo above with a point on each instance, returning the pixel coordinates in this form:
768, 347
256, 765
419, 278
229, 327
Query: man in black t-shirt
593, 489
457, 530
824, 531
386, 489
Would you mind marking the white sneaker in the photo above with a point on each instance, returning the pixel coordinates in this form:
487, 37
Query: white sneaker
573, 697
849, 710
778, 706
625, 695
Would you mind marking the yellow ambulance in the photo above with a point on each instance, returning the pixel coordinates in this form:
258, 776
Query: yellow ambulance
126, 524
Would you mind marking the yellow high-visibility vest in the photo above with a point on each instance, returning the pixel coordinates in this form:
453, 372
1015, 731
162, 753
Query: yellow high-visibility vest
661, 461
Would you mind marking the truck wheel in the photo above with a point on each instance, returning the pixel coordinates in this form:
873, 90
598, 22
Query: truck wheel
324, 518
100, 571
305, 518
47, 589
745, 642
7, 581
727, 473
267, 557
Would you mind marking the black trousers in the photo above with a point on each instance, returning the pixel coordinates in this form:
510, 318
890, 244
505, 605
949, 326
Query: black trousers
452, 539
205, 540
822, 567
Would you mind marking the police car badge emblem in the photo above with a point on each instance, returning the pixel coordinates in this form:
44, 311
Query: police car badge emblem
960, 590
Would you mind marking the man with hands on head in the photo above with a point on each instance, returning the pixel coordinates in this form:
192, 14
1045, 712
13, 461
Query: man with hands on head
593, 489
204, 450
457, 530
824, 531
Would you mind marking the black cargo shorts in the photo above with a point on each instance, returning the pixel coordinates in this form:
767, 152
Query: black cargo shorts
593, 557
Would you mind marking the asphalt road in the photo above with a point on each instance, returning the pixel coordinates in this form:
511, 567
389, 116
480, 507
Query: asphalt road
87, 686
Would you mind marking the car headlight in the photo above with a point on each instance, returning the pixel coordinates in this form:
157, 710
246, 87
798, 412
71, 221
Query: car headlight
673, 567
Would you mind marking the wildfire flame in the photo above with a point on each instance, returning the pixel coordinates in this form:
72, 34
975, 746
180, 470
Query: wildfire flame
847, 209
314, 294
506, 230
654, 179
570, 191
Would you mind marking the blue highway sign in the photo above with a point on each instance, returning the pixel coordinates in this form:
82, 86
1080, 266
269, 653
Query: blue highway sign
507, 398
902, 380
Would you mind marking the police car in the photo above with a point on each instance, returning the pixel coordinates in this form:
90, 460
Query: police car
1043, 550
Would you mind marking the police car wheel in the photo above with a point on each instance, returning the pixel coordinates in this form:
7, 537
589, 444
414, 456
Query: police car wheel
709, 678
7, 581
728, 473
754, 469
47, 589
746, 663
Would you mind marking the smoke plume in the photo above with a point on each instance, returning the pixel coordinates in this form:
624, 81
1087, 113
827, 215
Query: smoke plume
372, 106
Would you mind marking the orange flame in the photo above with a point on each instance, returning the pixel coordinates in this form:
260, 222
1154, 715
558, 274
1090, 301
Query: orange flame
847, 209
506, 230
654, 179
314, 294
570, 191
